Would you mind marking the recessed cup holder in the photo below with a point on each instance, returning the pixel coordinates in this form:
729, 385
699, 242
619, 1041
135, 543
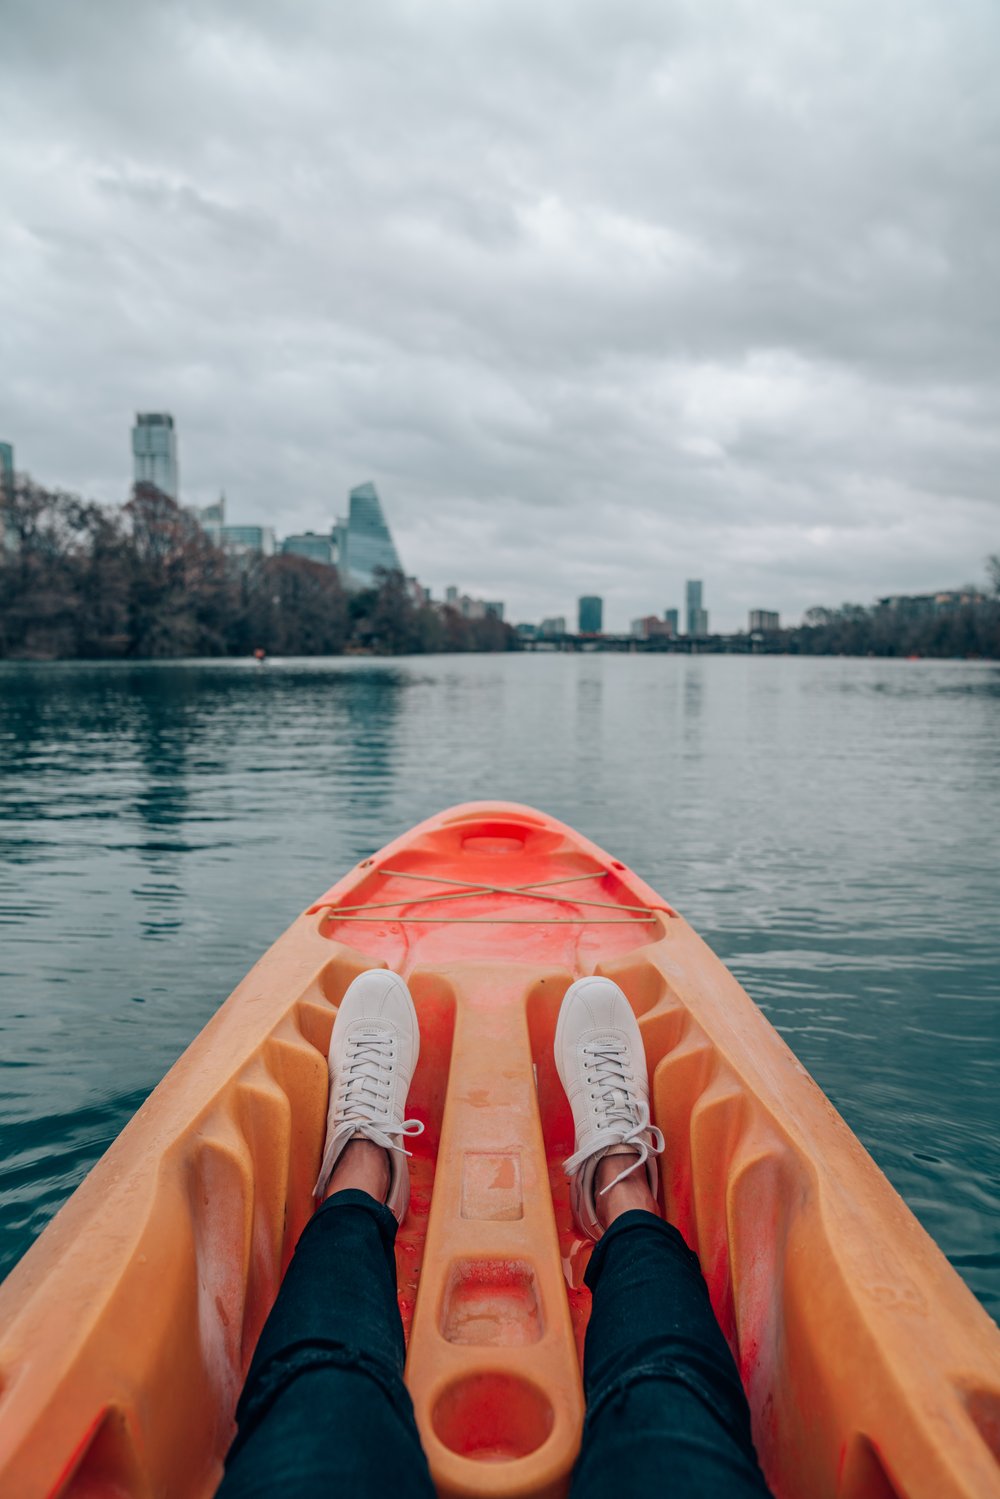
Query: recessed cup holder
494, 837
493, 843
492, 1417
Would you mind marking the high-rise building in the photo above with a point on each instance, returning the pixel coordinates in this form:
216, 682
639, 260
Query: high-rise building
554, 626
6, 470
651, 627
311, 545
248, 541
471, 608
237, 541
154, 451
671, 617
919, 605
693, 603
763, 620
6, 494
212, 518
697, 617
590, 615
364, 541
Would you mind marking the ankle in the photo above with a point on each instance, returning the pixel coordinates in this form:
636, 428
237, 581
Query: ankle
362, 1167
629, 1195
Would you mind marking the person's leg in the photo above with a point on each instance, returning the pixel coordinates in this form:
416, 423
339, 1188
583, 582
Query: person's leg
324, 1408
665, 1407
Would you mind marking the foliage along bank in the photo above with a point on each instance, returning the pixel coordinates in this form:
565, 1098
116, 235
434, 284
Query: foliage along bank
966, 630
84, 580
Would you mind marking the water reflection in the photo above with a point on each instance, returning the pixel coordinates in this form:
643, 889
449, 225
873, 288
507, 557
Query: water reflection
165, 725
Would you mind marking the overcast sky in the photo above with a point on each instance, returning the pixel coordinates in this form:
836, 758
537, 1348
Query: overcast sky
601, 295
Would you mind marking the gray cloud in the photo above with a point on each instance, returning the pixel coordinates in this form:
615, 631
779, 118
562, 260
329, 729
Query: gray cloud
602, 296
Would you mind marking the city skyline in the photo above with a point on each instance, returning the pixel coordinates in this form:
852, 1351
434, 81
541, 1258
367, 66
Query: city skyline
359, 544
156, 453
155, 461
601, 327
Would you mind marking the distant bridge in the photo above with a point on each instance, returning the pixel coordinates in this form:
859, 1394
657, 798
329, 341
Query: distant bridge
683, 645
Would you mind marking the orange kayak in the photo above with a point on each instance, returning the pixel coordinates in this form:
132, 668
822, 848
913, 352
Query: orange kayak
126, 1331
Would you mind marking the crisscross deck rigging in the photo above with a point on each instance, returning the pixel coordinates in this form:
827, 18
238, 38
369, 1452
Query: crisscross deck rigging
537, 890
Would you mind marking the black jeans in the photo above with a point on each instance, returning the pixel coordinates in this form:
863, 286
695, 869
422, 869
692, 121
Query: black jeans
325, 1410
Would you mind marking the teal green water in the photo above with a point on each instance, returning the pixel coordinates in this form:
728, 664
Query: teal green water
830, 827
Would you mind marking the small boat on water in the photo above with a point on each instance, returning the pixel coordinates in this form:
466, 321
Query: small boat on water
126, 1331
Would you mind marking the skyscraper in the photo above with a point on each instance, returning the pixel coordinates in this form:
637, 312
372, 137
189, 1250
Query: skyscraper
364, 541
672, 620
212, 518
6, 493
6, 470
154, 451
697, 617
248, 541
308, 544
591, 615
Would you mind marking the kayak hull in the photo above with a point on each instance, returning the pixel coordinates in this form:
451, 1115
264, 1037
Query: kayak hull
126, 1331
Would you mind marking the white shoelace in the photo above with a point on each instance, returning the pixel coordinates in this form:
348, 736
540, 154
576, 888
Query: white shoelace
623, 1119
363, 1106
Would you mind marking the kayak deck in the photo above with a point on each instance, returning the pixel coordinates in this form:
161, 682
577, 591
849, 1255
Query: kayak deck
126, 1331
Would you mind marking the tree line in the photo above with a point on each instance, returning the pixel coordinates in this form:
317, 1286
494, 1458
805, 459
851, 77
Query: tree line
971, 629
84, 580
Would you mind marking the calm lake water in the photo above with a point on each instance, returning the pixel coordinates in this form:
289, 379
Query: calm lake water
830, 826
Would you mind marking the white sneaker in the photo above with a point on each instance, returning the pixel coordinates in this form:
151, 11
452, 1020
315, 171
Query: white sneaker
373, 1052
602, 1066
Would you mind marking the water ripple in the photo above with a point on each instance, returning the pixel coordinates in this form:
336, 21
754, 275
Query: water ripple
829, 826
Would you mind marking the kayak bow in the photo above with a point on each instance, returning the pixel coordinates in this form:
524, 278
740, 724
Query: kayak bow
126, 1331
